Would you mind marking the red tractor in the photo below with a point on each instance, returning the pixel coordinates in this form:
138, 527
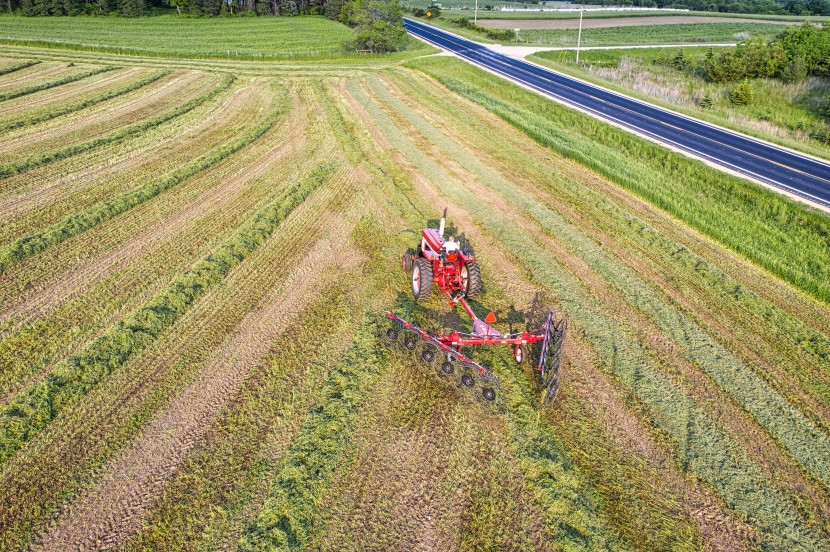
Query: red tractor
451, 266
444, 263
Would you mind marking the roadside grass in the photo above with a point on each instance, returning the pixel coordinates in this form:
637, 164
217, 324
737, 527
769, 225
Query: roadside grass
680, 33
784, 113
783, 236
305, 38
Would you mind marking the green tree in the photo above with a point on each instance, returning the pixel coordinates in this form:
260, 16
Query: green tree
378, 24
131, 8
742, 95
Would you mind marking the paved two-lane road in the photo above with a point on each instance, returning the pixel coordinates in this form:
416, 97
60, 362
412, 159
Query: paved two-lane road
800, 175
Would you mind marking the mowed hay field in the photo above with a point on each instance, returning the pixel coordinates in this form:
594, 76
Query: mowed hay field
194, 266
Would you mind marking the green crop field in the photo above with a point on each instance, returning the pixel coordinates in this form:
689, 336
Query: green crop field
195, 261
243, 38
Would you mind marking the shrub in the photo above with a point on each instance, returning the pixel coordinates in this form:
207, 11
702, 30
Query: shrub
742, 95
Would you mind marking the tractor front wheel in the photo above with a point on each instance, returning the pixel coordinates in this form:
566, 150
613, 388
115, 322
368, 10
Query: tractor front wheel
421, 279
471, 277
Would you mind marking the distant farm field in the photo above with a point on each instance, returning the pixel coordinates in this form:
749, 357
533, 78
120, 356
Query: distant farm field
563, 34
194, 267
597, 23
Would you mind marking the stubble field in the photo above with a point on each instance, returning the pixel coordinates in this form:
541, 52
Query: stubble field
193, 269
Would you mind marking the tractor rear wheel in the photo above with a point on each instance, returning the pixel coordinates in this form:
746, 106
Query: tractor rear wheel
471, 274
421, 279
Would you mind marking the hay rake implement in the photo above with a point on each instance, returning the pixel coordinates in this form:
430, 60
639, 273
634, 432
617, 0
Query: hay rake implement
451, 267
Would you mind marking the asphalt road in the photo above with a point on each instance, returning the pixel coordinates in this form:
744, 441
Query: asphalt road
796, 174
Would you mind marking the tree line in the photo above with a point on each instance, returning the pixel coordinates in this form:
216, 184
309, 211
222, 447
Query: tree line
792, 56
134, 8
771, 7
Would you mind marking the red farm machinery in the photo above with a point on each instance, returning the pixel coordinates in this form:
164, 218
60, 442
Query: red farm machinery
450, 266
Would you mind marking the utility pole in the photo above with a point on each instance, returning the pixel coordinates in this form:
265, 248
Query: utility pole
475, 15
579, 36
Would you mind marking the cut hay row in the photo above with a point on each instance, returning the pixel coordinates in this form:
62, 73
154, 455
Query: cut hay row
633, 365
218, 121
76, 224
12, 66
24, 415
99, 120
42, 71
40, 198
124, 133
114, 507
56, 97
117, 264
52, 111
5, 96
218, 342
155, 376
286, 518
223, 477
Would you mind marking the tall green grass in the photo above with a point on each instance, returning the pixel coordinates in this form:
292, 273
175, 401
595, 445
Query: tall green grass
30, 411
785, 237
680, 33
66, 108
52, 84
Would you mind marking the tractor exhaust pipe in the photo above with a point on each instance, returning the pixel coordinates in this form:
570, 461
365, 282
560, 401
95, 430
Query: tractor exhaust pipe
443, 220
